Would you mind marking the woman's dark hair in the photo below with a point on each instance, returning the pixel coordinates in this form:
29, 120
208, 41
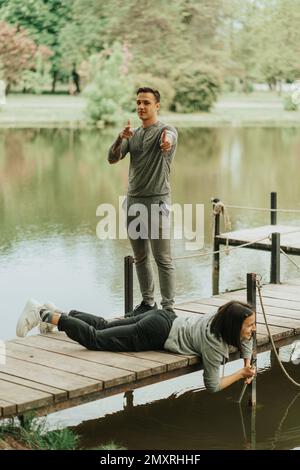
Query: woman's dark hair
150, 90
228, 320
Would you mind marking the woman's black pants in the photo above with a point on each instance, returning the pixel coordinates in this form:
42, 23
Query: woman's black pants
147, 331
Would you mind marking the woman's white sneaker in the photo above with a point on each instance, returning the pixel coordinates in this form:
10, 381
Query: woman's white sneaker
47, 327
30, 317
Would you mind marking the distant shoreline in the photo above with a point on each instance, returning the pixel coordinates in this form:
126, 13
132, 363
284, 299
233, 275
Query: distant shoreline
64, 111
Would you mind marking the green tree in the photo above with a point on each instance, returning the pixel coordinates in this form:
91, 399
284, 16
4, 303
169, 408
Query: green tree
44, 20
110, 92
266, 40
17, 53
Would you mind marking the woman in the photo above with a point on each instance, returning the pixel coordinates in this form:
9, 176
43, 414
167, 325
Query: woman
208, 336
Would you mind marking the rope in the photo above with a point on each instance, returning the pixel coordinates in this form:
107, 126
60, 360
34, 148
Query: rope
219, 208
263, 209
258, 284
225, 250
278, 431
289, 258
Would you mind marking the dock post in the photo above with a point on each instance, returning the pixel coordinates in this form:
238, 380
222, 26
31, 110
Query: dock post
128, 283
251, 299
216, 247
275, 259
128, 397
273, 206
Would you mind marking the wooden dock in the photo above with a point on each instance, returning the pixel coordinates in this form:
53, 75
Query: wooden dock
50, 372
289, 238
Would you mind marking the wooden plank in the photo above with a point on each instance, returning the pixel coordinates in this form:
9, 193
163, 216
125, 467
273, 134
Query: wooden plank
277, 332
172, 361
110, 376
57, 393
294, 290
290, 242
268, 301
196, 307
7, 408
270, 310
263, 231
74, 384
142, 367
294, 282
276, 320
280, 295
23, 397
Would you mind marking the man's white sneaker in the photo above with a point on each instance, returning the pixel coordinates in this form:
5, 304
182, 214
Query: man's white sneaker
295, 357
30, 317
47, 327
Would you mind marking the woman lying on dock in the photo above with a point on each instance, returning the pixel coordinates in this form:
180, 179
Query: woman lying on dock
207, 336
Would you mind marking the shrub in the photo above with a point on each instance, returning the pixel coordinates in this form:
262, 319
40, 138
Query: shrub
289, 104
109, 93
38, 79
163, 85
196, 88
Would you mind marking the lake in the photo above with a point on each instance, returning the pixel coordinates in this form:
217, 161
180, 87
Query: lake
53, 180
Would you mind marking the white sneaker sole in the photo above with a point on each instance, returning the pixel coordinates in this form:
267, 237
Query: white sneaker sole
22, 326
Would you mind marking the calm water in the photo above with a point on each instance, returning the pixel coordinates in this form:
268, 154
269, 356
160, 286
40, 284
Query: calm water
51, 184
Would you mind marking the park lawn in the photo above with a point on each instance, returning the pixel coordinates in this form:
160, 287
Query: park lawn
232, 109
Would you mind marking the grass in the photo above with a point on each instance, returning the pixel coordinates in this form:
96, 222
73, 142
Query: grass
33, 435
232, 109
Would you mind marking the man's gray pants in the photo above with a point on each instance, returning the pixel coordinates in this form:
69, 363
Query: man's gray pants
153, 228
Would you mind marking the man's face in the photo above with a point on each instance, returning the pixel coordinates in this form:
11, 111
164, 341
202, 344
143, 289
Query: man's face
146, 106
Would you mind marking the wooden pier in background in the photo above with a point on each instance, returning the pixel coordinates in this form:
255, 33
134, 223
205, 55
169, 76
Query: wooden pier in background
275, 238
47, 373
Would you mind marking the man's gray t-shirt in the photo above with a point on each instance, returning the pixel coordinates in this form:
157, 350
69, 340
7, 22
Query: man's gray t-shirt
149, 166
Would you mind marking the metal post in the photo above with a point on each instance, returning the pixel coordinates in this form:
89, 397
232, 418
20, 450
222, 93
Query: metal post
273, 206
128, 283
275, 259
251, 299
216, 247
128, 396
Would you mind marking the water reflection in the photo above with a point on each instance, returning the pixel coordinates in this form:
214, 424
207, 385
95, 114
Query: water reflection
199, 420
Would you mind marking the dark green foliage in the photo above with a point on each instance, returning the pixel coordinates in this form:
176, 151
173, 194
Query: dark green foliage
197, 89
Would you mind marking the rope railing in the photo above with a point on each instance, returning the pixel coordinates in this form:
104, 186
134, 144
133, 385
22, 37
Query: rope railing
259, 287
290, 259
263, 209
227, 250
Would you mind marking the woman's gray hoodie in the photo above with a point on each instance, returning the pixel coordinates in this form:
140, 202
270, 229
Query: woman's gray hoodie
192, 335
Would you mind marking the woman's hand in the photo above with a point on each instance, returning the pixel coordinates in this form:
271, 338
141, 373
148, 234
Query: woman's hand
248, 373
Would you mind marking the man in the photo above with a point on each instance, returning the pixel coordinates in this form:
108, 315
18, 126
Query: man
151, 147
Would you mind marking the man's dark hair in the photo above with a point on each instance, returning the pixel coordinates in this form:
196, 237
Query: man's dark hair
228, 320
150, 90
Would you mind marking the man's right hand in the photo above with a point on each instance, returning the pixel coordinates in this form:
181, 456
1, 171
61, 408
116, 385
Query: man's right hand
127, 132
